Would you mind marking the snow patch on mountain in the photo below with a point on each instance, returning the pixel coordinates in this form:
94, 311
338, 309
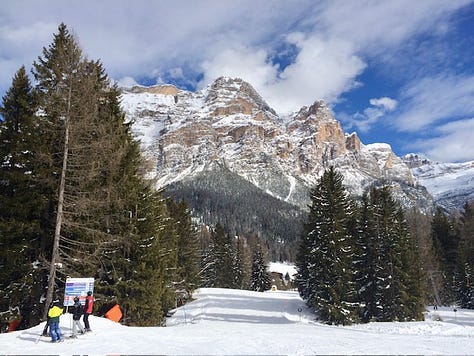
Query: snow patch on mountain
228, 122
450, 184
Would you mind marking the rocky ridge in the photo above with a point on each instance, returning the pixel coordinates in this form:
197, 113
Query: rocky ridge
229, 124
450, 184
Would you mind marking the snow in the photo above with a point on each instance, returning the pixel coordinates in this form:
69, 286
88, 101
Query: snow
224, 321
292, 181
442, 178
283, 268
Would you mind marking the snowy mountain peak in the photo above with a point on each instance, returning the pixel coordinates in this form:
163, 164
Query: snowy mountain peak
236, 95
182, 133
450, 184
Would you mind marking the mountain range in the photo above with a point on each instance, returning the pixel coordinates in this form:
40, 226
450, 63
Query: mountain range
235, 160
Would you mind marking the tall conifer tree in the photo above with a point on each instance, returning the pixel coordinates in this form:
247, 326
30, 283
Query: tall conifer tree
325, 270
188, 246
260, 279
21, 203
101, 199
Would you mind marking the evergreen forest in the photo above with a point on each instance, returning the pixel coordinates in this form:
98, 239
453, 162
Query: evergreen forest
368, 260
74, 202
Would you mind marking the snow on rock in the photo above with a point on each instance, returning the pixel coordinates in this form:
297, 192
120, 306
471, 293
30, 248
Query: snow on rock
230, 123
450, 184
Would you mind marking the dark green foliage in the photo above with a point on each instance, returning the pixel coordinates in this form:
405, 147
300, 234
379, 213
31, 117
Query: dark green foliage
240, 268
445, 240
22, 203
358, 260
388, 278
464, 278
220, 196
111, 224
218, 260
324, 260
260, 279
189, 256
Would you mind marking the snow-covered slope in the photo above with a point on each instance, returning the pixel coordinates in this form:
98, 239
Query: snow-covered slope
235, 322
229, 124
450, 184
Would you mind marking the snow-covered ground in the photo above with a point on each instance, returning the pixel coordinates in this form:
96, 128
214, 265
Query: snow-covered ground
223, 322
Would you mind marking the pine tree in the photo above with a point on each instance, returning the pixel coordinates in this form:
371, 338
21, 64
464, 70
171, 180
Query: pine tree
325, 272
365, 262
218, 260
188, 246
260, 277
465, 264
389, 283
411, 295
21, 203
445, 240
239, 266
105, 214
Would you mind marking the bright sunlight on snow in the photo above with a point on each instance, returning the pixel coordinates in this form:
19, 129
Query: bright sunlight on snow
225, 321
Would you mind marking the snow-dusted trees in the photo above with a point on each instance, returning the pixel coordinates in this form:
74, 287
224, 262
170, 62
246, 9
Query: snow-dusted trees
387, 268
225, 261
22, 203
218, 260
324, 259
90, 212
260, 279
464, 275
357, 262
187, 274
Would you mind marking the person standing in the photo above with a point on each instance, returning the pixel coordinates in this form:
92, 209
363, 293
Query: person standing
88, 307
46, 327
76, 311
54, 313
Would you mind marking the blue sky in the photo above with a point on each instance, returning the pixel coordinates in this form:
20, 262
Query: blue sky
394, 71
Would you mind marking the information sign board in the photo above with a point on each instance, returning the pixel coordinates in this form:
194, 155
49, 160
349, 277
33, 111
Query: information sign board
77, 287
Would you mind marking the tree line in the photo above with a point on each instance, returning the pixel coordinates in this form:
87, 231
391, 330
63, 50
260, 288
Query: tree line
73, 200
358, 260
234, 262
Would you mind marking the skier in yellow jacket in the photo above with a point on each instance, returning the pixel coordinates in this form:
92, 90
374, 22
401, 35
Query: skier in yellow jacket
54, 313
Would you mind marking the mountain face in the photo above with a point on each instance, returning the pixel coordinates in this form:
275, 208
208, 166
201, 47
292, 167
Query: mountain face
450, 184
228, 127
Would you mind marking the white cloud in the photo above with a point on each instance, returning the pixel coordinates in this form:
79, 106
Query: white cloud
454, 143
154, 39
251, 65
370, 116
332, 43
375, 26
127, 82
433, 99
321, 70
384, 103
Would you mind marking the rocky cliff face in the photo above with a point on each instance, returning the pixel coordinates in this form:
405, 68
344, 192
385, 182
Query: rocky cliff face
229, 124
450, 184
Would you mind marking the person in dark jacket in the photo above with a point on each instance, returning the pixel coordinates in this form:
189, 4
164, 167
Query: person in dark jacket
76, 311
88, 307
54, 313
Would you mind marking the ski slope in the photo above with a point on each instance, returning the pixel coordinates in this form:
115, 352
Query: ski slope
224, 322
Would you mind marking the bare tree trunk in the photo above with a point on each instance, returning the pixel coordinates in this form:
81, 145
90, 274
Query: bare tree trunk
59, 216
